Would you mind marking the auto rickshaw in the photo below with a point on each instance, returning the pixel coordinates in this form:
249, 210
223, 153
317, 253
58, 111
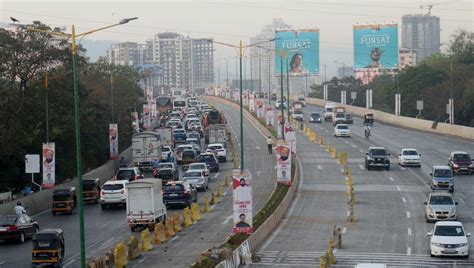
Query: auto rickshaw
188, 157
369, 119
64, 200
91, 190
48, 248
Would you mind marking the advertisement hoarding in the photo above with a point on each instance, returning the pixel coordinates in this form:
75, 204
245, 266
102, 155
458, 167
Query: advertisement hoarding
283, 154
113, 141
242, 200
303, 51
49, 165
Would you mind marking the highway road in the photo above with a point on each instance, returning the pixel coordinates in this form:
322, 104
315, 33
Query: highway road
106, 228
390, 226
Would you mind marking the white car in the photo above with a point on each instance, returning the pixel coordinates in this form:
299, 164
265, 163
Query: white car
409, 157
440, 206
342, 130
203, 167
219, 151
165, 150
448, 238
197, 179
113, 192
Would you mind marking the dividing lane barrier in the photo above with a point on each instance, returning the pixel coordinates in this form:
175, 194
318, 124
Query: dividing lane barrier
133, 249
159, 233
120, 255
145, 240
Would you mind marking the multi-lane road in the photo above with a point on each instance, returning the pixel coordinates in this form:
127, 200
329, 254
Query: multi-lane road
104, 229
390, 226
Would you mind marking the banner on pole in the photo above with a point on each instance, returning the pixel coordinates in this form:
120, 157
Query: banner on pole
290, 136
242, 200
113, 141
283, 154
146, 116
49, 165
269, 117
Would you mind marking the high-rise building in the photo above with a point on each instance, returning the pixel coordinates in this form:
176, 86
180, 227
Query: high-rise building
263, 56
203, 64
130, 53
406, 57
422, 34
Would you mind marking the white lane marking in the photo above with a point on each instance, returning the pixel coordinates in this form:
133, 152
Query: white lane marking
408, 214
404, 200
334, 250
391, 178
398, 188
362, 151
69, 262
348, 213
402, 168
212, 207
361, 166
224, 194
409, 231
216, 175
144, 258
342, 170
344, 230
174, 238
461, 200
346, 142
319, 167
40, 213
258, 147
409, 251
353, 146
227, 219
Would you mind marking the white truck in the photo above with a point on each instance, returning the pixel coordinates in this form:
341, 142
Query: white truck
338, 115
328, 111
145, 205
217, 134
146, 146
165, 134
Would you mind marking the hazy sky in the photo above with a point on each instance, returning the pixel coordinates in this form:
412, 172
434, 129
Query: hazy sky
229, 20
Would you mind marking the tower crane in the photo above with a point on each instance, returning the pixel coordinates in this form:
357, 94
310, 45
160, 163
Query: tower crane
431, 5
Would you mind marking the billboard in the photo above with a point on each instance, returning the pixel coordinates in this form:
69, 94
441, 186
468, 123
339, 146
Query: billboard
303, 51
49, 165
242, 199
376, 46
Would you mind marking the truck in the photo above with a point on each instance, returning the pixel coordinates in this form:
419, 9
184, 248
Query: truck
145, 205
165, 135
328, 110
217, 133
338, 115
297, 110
212, 118
146, 146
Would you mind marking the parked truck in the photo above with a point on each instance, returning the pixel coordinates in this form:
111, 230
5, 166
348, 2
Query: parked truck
217, 134
146, 146
145, 205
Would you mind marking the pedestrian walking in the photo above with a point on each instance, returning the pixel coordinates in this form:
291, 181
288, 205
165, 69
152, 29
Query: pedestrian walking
270, 145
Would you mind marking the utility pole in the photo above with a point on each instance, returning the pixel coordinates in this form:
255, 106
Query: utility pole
46, 107
287, 87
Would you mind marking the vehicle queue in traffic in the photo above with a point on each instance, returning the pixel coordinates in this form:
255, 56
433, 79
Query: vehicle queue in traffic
184, 168
448, 236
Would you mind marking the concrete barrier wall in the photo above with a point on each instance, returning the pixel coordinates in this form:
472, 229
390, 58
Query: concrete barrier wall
41, 201
405, 122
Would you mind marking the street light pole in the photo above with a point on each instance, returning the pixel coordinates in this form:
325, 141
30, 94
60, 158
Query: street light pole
260, 74
269, 79
241, 52
112, 96
281, 96
287, 88
46, 107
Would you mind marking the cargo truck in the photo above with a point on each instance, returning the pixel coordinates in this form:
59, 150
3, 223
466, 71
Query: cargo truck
338, 115
145, 205
146, 146
217, 134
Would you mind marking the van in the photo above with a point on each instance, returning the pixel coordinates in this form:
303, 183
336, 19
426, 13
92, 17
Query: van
442, 178
328, 109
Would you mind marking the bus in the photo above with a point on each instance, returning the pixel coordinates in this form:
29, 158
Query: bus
178, 93
164, 104
179, 104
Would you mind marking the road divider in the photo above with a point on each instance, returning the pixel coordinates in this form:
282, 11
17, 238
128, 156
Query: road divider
187, 217
120, 255
159, 233
145, 240
206, 209
133, 249
195, 214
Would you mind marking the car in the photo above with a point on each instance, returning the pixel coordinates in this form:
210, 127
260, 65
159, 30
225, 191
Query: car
201, 166
342, 130
278, 103
442, 178
196, 143
409, 157
461, 162
314, 118
113, 192
175, 115
297, 115
448, 238
167, 174
377, 157
195, 135
130, 174
348, 119
174, 124
219, 150
197, 179
179, 193
181, 148
179, 136
17, 227
170, 165
165, 150
211, 161
440, 206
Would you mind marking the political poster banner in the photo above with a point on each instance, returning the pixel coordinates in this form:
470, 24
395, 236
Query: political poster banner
242, 201
251, 103
49, 165
283, 154
113, 141
280, 125
302, 46
135, 122
375, 50
269, 117
146, 116
152, 105
290, 136
260, 108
